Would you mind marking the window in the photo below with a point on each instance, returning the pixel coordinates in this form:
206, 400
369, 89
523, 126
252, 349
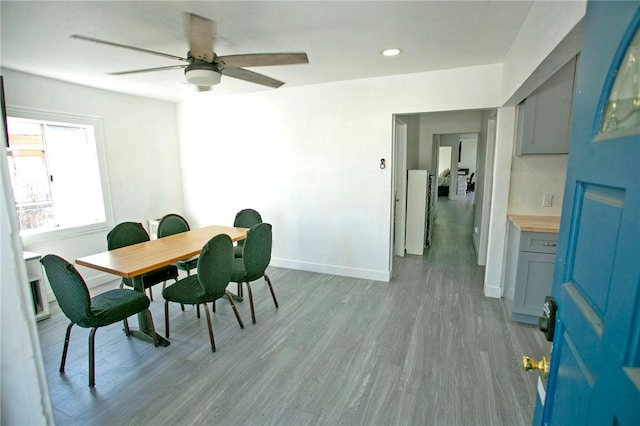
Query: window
622, 110
56, 172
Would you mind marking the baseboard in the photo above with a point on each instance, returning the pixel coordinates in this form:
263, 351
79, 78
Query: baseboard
476, 249
495, 292
366, 274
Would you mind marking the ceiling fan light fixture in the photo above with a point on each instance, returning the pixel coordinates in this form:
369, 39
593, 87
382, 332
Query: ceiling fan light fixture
202, 76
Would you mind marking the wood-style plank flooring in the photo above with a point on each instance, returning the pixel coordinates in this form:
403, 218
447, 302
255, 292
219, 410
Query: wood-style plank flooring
426, 349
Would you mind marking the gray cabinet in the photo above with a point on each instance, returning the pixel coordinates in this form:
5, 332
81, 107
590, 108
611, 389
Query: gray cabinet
529, 272
544, 118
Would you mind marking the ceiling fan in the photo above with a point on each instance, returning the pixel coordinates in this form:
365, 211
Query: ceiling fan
203, 68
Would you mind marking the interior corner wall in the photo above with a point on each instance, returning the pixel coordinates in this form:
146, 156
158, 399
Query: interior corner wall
484, 181
547, 37
308, 158
141, 149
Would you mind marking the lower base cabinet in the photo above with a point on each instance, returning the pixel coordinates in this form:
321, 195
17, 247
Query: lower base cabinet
529, 272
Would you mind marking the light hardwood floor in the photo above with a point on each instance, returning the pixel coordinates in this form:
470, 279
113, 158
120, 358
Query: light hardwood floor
426, 349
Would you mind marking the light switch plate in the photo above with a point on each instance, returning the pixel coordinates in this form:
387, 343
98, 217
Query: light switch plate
547, 200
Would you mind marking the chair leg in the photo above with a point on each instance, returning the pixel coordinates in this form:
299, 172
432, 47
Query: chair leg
92, 357
235, 310
153, 328
213, 343
164, 285
239, 291
166, 318
127, 332
213, 306
253, 312
266, 278
150, 294
66, 346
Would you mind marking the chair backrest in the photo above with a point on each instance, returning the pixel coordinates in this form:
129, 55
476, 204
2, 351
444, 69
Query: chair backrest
172, 224
256, 252
247, 218
126, 234
215, 264
69, 288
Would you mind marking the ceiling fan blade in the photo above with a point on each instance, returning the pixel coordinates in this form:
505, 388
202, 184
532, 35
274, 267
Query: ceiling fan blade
252, 77
170, 67
137, 49
264, 59
201, 32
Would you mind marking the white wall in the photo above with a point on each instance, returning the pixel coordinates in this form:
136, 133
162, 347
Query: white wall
413, 140
142, 154
444, 158
533, 176
534, 55
444, 122
469, 156
308, 159
484, 184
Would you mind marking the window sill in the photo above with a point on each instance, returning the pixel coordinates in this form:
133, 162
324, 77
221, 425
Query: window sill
61, 234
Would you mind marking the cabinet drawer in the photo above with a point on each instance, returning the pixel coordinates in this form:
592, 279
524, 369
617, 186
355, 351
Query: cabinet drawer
539, 242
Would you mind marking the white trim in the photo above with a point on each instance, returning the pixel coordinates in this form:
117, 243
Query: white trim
367, 274
490, 291
72, 119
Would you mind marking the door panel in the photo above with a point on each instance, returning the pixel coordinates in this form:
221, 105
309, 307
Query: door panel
595, 374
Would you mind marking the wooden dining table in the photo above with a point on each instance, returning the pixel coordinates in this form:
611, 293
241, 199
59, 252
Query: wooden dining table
134, 260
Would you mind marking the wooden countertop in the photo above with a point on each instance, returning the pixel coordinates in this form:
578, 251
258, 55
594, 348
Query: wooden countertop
536, 223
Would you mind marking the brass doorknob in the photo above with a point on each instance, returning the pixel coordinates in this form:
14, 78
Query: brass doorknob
529, 364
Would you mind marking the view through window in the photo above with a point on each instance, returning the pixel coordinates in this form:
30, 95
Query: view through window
55, 174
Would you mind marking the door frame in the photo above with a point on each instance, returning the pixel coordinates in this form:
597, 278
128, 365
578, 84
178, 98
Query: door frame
399, 188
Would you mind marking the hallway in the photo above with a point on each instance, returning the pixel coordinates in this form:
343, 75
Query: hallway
476, 346
426, 349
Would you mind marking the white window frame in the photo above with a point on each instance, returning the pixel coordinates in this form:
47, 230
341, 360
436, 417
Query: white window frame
30, 236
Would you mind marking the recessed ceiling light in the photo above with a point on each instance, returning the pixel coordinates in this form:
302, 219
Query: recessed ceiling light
391, 52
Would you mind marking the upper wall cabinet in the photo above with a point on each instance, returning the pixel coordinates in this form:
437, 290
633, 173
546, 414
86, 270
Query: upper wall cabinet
544, 118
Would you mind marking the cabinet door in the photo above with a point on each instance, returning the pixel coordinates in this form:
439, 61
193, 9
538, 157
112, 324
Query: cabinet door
544, 118
533, 282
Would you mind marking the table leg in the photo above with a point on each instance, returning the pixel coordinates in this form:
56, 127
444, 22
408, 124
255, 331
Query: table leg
145, 332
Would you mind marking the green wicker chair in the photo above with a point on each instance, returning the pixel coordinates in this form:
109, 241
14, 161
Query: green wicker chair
246, 218
256, 255
171, 224
208, 285
104, 309
128, 233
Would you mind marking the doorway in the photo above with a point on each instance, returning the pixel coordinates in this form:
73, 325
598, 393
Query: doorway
420, 150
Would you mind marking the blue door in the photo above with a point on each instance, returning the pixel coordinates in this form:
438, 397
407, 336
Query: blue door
595, 360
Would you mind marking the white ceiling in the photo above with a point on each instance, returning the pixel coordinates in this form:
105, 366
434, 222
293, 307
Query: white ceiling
343, 39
